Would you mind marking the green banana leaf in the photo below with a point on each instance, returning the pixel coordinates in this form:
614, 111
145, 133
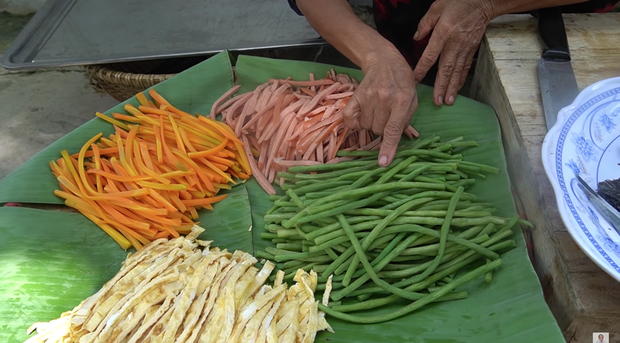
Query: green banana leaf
52, 260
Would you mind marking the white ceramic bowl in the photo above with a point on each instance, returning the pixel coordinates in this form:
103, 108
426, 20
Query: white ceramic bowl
585, 140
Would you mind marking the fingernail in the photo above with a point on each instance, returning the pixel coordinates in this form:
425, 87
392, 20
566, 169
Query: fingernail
416, 35
451, 99
383, 160
440, 99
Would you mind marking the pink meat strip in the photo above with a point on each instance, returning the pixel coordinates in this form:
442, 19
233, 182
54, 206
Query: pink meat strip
277, 140
271, 104
319, 97
323, 82
311, 78
221, 99
262, 180
248, 109
338, 96
339, 159
289, 163
229, 116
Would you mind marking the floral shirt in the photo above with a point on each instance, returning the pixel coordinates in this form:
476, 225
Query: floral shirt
397, 21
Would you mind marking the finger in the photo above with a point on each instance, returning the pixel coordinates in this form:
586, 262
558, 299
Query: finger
428, 21
368, 107
455, 80
468, 64
399, 119
366, 117
379, 120
429, 56
351, 113
447, 65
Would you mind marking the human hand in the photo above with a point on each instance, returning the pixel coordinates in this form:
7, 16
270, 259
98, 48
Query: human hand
458, 27
384, 102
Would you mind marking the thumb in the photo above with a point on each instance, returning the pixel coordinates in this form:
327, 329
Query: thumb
427, 23
392, 134
351, 113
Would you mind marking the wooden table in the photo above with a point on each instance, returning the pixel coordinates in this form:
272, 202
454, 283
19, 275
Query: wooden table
583, 298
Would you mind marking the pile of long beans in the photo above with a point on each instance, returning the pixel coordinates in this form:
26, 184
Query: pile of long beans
388, 233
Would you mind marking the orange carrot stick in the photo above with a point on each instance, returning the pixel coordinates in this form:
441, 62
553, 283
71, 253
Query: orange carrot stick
118, 177
117, 236
180, 144
161, 200
199, 172
166, 221
130, 142
219, 129
111, 120
205, 201
104, 151
126, 118
122, 218
142, 99
169, 229
221, 161
193, 213
174, 198
163, 101
161, 234
136, 113
209, 152
158, 98
97, 159
243, 158
80, 170
159, 112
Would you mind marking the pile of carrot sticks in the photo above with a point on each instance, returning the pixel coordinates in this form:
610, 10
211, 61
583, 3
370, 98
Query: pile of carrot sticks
148, 179
288, 123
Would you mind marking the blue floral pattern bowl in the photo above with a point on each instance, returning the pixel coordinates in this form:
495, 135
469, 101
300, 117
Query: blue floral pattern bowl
586, 141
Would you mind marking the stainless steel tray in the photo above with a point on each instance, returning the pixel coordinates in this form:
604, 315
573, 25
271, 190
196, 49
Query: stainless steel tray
83, 32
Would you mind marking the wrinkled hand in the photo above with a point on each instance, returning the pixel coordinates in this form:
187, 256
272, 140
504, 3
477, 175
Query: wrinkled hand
384, 102
458, 27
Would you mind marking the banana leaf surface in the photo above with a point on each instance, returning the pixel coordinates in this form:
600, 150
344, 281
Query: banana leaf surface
51, 260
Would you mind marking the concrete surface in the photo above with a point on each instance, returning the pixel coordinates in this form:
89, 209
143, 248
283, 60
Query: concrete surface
31, 6
21, 6
37, 108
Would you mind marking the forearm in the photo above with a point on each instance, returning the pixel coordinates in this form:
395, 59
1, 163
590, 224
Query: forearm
501, 7
336, 22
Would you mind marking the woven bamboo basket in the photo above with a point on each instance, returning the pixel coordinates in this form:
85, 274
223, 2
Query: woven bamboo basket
124, 80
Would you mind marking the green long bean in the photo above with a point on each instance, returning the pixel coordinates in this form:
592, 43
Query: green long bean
416, 304
404, 230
